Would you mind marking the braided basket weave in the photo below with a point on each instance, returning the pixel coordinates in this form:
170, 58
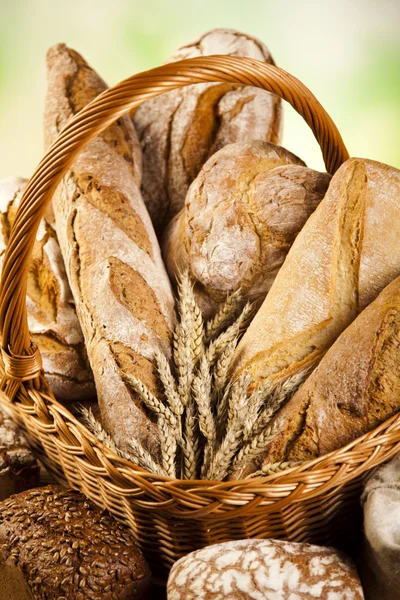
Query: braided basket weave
317, 501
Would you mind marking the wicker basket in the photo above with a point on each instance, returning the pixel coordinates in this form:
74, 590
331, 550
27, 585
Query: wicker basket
317, 501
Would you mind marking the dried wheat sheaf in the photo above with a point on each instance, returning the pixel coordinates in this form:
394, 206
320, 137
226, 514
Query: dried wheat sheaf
209, 425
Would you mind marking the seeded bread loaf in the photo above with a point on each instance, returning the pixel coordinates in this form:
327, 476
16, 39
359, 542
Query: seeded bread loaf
241, 215
54, 543
346, 253
122, 293
19, 470
52, 319
264, 569
181, 129
355, 387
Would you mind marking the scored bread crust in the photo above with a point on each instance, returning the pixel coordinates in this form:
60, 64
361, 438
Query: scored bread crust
355, 387
52, 319
181, 129
346, 253
122, 292
241, 215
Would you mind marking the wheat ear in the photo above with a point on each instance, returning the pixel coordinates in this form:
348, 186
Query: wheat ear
254, 448
256, 400
139, 455
225, 314
191, 445
271, 468
168, 446
217, 345
221, 369
168, 382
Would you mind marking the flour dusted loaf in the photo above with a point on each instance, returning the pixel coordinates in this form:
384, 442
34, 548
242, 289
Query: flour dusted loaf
54, 543
52, 319
346, 253
241, 215
122, 293
19, 470
264, 569
181, 129
355, 387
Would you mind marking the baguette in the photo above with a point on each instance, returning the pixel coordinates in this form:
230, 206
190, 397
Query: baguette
346, 253
355, 387
122, 293
241, 215
181, 129
52, 319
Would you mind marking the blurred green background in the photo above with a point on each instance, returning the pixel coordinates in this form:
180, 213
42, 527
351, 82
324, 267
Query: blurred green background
347, 52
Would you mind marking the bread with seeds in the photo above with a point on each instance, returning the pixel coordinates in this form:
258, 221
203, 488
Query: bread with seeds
241, 215
346, 253
121, 289
355, 387
57, 544
181, 129
52, 318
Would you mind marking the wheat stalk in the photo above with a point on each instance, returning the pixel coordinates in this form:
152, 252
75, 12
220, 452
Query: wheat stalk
224, 316
139, 455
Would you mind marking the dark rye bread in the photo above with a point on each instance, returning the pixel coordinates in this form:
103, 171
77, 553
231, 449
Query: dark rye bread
241, 215
181, 129
355, 387
52, 318
19, 470
54, 543
121, 290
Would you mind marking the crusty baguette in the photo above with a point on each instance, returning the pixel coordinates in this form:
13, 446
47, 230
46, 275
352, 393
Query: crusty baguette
241, 215
52, 318
355, 387
122, 292
181, 129
346, 253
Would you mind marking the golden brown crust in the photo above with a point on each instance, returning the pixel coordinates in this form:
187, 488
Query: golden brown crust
181, 129
241, 215
355, 387
111, 252
345, 254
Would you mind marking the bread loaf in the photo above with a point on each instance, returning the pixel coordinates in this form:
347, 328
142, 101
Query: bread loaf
121, 290
355, 387
52, 319
57, 544
346, 253
264, 569
19, 470
181, 129
241, 215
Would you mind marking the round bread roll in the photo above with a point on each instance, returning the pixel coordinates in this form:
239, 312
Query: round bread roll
241, 215
181, 129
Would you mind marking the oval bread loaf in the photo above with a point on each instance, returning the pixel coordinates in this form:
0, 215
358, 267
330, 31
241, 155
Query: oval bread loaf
346, 253
241, 215
55, 543
355, 387
52, 318
181, 129
122, 293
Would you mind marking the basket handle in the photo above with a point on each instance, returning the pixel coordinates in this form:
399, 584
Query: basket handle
22, 360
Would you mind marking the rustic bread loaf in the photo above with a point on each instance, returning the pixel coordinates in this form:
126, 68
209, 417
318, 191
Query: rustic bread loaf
355, 387
346, 253
52, 319
264, 569
181, 129
121, 290
19, 470
57, 544
241, 215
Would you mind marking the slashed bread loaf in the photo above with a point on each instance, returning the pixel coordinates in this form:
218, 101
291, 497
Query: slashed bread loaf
264, 570
346, 253
52, 319
55, 543
355, 387
181, 129
122, 292
241, 215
